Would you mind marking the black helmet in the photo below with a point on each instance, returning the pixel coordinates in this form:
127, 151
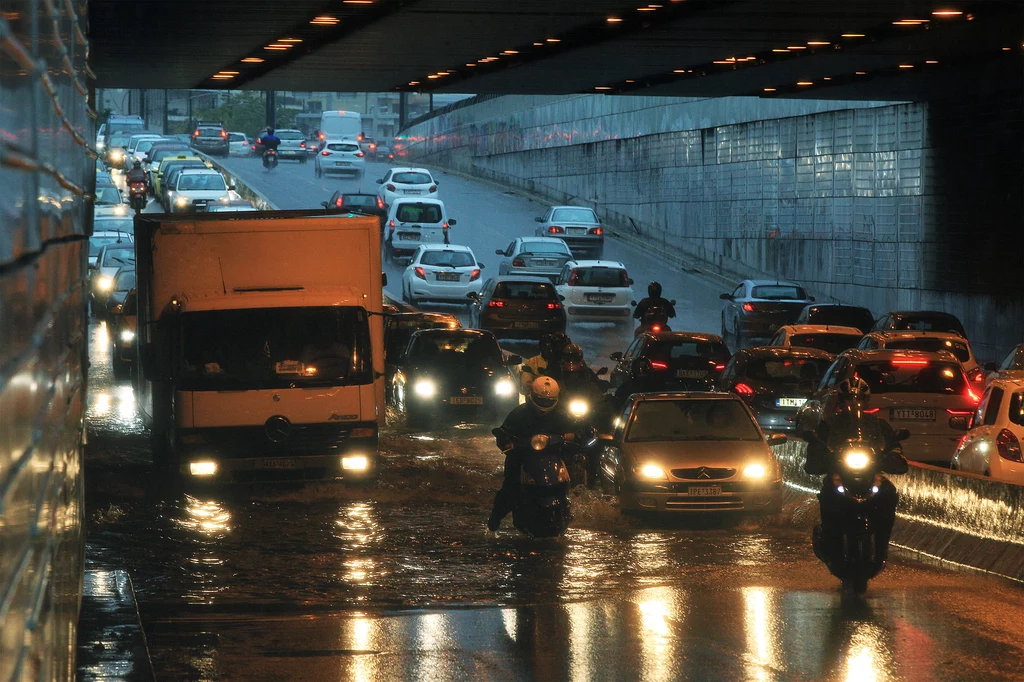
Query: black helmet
572, 358
136, 163
654, 290
551, 345
270, 131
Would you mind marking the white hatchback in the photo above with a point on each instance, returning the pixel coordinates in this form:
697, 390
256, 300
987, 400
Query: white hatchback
930, 342
339, 157
399, 183
442, 272
992, 447
412, 222
596, 290
827, 337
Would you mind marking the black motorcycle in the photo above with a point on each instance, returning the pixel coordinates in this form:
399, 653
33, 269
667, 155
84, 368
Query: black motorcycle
270, 159
137, 196
855, 553
655, 319
542, 508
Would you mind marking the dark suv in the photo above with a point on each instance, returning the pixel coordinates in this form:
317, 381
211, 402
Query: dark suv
210, 137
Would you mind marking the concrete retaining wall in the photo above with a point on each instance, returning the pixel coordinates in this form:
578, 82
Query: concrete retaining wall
864, 203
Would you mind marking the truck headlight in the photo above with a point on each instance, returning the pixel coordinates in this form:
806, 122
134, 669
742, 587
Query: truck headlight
127, 335
856, 459
652, 472
504, 388
754, 471
425, 388
578, 408
355, 463
104, 283
203, 467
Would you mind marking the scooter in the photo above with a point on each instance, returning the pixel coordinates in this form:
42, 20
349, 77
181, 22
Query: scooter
270, 159
542, 507
655, 320
137, 196
858, 553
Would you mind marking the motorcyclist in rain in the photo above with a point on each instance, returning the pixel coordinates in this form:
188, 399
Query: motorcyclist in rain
653, 300
574, 376
537, 415
135, 174
851, 421
539, 365
270, 140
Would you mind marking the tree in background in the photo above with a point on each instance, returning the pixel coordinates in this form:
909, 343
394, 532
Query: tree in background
245, 112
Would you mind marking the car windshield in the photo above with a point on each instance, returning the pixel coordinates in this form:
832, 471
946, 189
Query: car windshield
113, 258
205, 181
927, 323
343, 147
1015, 360
573, 215
545, 247
125, 281
120, 139
689, 420
958, 348
358, 200
537, 291
455, 350
411, 178
598, 277
209, 131
400, 329
913, 376
108, 196
97, 242
290, 135
830, 343
778, 292
161, 154
144, 146
418, 213
236, 137
665, 350
275, 348
447, 259
787, 370
113, 224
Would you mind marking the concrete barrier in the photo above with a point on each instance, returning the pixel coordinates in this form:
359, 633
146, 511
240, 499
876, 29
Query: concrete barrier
256, 198
951, 518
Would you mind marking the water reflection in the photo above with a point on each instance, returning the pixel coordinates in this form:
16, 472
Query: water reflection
433, 639
359, 639
868, 658
661, 617
360, 531
761, 621
207, 517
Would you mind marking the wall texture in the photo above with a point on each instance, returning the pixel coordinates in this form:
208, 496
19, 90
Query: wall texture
868, 202
44, 172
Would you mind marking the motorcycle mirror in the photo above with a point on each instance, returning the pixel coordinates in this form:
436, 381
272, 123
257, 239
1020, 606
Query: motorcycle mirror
776, 439
959, 423
904, 434
617, 355
514, 360
811, 299
452, 222
601, 372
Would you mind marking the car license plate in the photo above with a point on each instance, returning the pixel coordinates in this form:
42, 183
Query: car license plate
691, 373
911, 414
408, 236
342, 163
704, 490
525, 325
413, 191
277, 463
545, 263
790, 402
448, 277
466, 400
600, 298
577, 230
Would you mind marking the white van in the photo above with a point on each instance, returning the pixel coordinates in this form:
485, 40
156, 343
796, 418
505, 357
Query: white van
341, 126
412, 222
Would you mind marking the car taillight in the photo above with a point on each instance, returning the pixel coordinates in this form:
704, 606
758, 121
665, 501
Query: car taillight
340, 202
659, 365
322, 136
976, 375
223, 133
380, 203
1008, 446
496, 304
303, 144
719, 368
743, 389
252, 147
555, 229
325, 153
373, 146
974, 397
655, 327
391, 224
196, 133
474, 276
518, 263
360, 154
596, 231
873, 410
959, 413
749, 307
420, 273
433, 188
554, 306
389, 187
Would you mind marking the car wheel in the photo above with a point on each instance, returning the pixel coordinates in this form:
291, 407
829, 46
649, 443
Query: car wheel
738, 333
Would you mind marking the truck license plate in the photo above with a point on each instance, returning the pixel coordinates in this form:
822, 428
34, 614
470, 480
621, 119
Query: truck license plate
466, 400
277, 463
790, 402
911, 414
704, 490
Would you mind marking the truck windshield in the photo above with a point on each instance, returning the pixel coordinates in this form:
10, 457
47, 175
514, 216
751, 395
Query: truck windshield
275, 348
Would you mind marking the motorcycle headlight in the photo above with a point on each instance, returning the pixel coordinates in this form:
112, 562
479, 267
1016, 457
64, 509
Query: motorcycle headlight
856, 460
754, 471
539, 441
127, 335
652, 472
181, 201
504, 388
578, 408
425, 388
104, 283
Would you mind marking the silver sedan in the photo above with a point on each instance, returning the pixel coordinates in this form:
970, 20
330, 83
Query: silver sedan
534, 256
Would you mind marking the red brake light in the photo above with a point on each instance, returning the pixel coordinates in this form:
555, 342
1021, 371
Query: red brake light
474, 276
389, 187
420, 273
659, 365
555, 229
655, 327
373, 146
223, 133
433, 188
975, 398
909, 362
719, 368
303, 144
391, 224
554, 306
339, 202
518, 263
597, 230
977, 375
749, 307
325, 153
360, 154
960, 413
1009, 446
196, 133
873, 410
496, 304
743, 389
380, 203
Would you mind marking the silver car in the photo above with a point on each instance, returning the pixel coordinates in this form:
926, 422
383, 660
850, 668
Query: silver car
293, 145
534, 256
577, 226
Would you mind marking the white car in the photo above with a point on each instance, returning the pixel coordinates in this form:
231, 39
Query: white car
109, 202
412, 222
133, 144
399, 183
596, 290
195, 188
340, 157
992, 447
930, 342
827, 337
1012, 367
442, 272
293, 145
238, 144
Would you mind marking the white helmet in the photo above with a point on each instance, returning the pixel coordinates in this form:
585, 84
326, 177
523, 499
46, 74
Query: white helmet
544, 394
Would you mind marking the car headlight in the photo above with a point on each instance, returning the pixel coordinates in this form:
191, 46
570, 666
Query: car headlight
754, 471
203, 467
425, 388
116, 156
104, 283
578, 408
652, 472
127, 335
856, 459
120, 210
181, 201
504, 388
355, 463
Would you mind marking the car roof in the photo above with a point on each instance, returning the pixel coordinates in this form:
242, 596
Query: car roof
199, 171
287, 130
417, 200
883, 354
409, 168
820, 329
1012, 384
445, 247
887, 335
523, 278
541, 239
695, 336
116, 247
596, 264
459, 331
110, 233
586, 207
936, 313
834, 305
785, 351
773, 282
686, 395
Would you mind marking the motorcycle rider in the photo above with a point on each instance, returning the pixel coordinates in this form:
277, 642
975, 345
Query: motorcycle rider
135, 174
572, 373
851, 421
539, 365
653, 300
537, 415
269, 141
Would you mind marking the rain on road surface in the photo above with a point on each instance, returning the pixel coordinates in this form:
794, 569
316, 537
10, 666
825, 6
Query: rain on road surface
401, 581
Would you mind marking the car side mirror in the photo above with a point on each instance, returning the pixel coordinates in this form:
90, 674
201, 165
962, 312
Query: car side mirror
473, 295
380, 182
904, 434
991, 367
561, 298
514, 360
673, 301
616, 356
538, 219
601, 372
383, 279
633, 303
959, 422
451, 221
324, 204
231, 188
481, 266
499, 252
629, 281
775, 439
811, 299
94, 266
725, 297
146, 159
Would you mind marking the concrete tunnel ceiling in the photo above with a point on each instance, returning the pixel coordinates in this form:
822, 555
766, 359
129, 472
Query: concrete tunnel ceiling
825, 49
